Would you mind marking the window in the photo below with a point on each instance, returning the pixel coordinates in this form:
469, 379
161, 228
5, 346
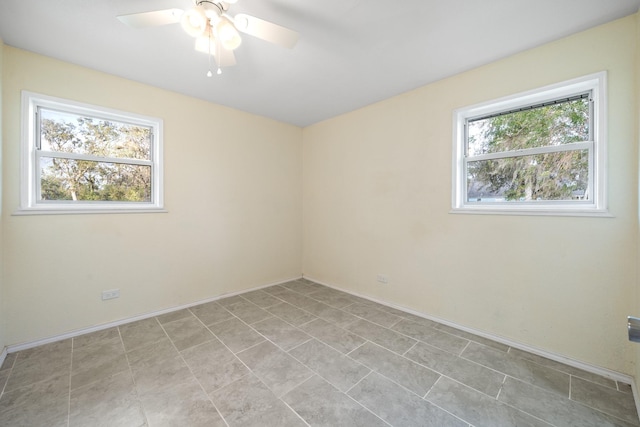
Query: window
541, 152
80, 158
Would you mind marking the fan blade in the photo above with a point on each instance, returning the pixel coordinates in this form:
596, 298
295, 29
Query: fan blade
265, 30
224, 57
152, 19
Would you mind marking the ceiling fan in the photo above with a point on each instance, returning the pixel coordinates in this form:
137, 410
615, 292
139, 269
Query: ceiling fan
215, 31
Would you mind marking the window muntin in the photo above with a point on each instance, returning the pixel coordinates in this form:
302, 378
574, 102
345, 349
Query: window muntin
81, 158
542, 152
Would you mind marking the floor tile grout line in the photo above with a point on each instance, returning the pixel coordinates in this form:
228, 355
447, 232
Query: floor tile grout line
424, 397
361, 379
250, 347
438, 406
256, 376
373, 321
266, 339
259, 333
465, 347
70, 376
303, 343
273, 316
562, 397
311, 337
472, 388
610, 414
365, 338
409, 349
517, 358
307, 322
241, 361
394, 381
133, 379
300, 345
409, 360
555, 365
249, 373
295, 412
24, 386
402, 386
10, 371
504, 380
499, 402
324, 303
408, 336
191, 370
346, 393
249, 301
571, 385
313, 374
349, 353
400, 320
529, 414
261, 291
321, 376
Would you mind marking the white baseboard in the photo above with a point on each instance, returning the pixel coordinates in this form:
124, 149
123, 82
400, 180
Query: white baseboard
82, 331
613, 375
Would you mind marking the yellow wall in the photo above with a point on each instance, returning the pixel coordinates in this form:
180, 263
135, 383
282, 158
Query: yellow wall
3, 341
377, 195
232, 191
636, 312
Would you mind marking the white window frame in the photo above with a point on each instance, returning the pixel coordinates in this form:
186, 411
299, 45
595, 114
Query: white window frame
29, 174
596, 84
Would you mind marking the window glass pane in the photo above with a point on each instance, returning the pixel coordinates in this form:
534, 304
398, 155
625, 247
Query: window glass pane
552, 176
552, 125
81, 180
71, 133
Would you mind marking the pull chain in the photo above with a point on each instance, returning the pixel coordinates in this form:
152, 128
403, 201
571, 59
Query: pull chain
209, 73
218, 58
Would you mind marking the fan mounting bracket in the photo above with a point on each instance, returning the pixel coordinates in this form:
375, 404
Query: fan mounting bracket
208, 4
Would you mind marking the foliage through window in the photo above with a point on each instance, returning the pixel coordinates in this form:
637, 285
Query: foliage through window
83, 158
538, 152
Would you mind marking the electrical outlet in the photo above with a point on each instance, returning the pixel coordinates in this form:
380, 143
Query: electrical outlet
383, 278
111, 294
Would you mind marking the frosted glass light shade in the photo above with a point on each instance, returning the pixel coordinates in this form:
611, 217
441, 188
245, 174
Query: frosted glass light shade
194, 21
206, 44
227, 34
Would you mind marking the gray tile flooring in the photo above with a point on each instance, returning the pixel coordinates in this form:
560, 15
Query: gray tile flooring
299, 354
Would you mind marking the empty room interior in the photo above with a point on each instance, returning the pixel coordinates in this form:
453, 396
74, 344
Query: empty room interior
352, 213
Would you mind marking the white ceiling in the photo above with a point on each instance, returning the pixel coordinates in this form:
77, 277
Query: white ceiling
351, 53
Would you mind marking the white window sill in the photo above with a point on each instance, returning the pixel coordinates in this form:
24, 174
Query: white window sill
82, 211
491, 210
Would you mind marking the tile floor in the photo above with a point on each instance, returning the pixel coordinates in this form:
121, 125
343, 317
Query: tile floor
299, 354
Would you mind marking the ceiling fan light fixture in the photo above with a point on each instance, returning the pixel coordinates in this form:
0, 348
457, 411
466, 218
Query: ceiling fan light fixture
241, 23
206, 44
194, 21
227, 34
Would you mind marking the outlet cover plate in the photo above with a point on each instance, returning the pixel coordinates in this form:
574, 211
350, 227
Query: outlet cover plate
110, 294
